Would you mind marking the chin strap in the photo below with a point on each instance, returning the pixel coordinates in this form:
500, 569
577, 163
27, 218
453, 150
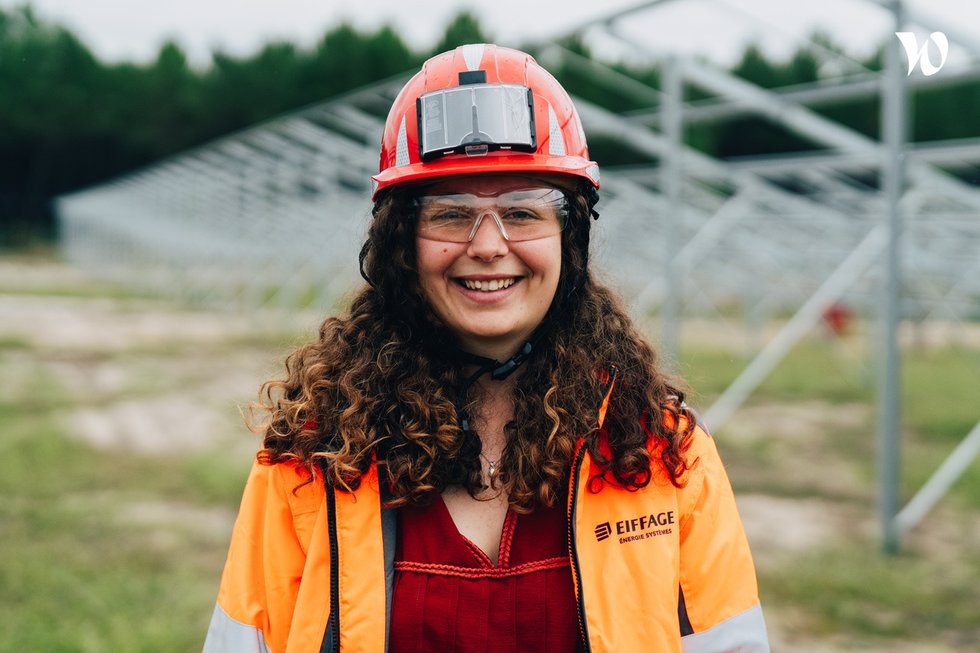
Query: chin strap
498, 372
591, 198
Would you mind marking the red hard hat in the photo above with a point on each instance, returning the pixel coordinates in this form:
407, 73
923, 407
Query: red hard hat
485, 109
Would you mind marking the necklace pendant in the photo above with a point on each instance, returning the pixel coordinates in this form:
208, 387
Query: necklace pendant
491, 467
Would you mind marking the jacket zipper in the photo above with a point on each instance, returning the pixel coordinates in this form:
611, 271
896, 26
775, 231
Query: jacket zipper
573, 482
331, 640
572, 552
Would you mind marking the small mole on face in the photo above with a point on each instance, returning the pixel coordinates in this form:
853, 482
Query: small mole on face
445, 249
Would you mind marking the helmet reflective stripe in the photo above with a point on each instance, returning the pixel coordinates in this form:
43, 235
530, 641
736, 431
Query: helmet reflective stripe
473, 55
401, 154
556, 141
593, 172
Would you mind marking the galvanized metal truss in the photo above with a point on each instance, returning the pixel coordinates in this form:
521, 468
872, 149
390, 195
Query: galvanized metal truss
273, 215
935, 270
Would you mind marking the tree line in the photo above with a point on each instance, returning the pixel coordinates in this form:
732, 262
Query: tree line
69, 120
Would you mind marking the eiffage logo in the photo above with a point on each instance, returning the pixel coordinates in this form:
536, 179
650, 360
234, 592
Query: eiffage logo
917, 55
638, 528
602, 531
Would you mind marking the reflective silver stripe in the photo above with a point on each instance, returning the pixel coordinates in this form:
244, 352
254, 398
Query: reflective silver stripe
743, 633
556, 140
401, 150
473, 55
225, 635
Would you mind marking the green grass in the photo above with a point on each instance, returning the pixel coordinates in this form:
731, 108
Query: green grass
76, 581
941, 392
850, 590
921, 459
858, 591
940, 401
86, 290
816, 368
78, 575
86, 566
14, 342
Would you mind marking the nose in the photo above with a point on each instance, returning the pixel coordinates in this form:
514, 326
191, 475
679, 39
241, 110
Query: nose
488, 242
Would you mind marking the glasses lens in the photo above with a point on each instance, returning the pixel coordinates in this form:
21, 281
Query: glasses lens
524, 214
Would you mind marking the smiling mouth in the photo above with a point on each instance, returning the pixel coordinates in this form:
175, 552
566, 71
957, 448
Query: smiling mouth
488, 285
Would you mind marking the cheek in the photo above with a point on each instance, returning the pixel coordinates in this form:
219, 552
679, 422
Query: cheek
547, 261
432, 260
544, 261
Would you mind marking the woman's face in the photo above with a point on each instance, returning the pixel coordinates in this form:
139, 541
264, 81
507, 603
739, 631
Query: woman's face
491, 292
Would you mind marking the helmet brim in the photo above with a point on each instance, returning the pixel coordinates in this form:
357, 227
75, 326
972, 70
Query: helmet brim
490, 163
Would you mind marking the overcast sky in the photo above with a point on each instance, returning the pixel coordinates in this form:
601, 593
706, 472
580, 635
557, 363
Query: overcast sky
717, 29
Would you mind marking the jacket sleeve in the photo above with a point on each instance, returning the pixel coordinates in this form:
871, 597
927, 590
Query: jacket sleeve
719, 599
261, 577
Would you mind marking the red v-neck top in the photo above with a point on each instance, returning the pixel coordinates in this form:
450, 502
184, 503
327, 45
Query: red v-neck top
450, 597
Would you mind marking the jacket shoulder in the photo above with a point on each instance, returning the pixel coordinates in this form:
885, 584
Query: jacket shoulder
702, 461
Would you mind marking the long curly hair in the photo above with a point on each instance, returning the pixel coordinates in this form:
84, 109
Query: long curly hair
379, 385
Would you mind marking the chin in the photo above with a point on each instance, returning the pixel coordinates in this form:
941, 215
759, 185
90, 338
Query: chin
495, 336
501, 343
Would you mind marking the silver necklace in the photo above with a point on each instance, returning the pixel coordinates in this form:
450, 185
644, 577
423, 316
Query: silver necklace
491, 464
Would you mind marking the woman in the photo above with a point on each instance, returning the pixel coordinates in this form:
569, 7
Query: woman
483, 455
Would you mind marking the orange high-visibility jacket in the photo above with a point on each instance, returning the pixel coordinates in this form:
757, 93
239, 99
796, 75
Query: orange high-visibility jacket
658, 569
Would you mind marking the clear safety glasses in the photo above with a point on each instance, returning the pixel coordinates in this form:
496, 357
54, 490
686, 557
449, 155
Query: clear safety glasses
524, 214
475, 118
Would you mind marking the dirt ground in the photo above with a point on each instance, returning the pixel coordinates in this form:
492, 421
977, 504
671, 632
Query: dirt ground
144, 375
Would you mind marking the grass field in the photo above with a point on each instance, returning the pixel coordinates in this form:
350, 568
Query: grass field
124, 456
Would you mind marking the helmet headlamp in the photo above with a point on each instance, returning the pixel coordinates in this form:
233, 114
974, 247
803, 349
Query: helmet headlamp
475, 119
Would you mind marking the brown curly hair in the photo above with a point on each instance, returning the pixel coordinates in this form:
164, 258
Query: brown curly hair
379, 384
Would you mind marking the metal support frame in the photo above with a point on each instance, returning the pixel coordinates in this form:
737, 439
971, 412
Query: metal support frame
674, 131
894, 127
939, 483
711, 231
863, 256
892, 155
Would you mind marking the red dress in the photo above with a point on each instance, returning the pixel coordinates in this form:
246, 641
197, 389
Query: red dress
450, 597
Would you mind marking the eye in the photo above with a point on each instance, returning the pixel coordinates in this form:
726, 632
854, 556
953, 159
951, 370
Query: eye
446, 214
521, 215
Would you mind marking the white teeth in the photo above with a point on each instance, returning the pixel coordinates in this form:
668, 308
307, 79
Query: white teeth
489, 286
